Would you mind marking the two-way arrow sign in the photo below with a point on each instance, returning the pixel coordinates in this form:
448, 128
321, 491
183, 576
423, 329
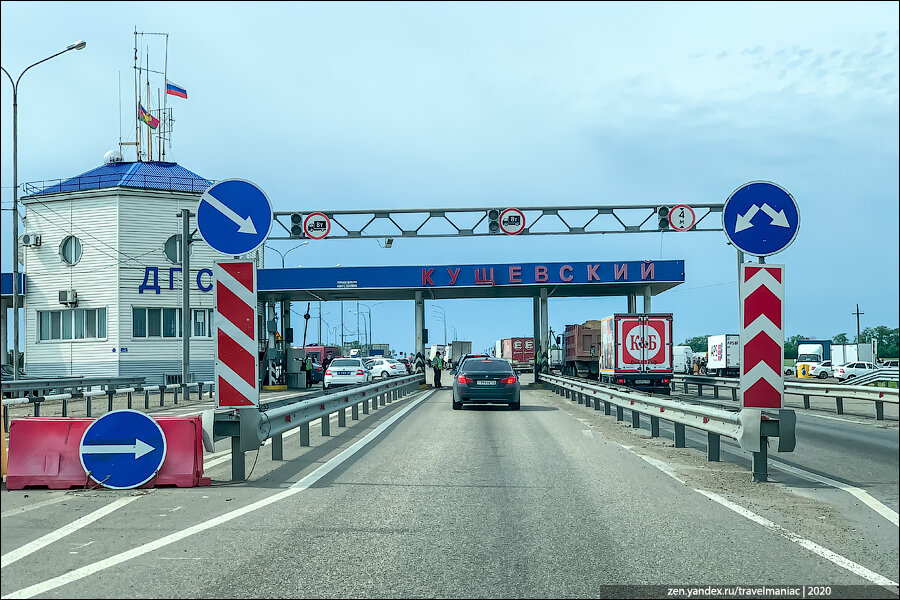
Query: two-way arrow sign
779, 219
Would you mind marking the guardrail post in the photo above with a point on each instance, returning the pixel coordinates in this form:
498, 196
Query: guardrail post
199, 391
685, 387
805, 400
37, 409
635, 419
162, 395
365, 405
713, 445
109, 396
354, 412
65, 410
237, 459
277, 447
654, 426
596, 403
175, 395
734, 394
147, 399
619, 414
760, 468
381, 398
375, 402
326, 425
840, 405
879, 410
607, 410
699, 389
679, 435
304, 434
342, 417
129, 399
715, 391
579, 398
87, 406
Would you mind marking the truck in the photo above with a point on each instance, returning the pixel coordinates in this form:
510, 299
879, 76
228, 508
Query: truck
814, 351
376, 351
318, 353
636, 351
682, 359
556, 359
841, 354
519, 351
456, 350
582, 347
724, 355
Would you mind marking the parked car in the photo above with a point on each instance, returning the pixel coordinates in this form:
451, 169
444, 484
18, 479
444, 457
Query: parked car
388, 367
888, 364
853, 369
466, 357
407, 364
346, 371
822, 371
318, 373
486, 380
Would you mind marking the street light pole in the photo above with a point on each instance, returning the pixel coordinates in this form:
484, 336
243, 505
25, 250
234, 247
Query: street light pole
444, 315
286, 252
15, 224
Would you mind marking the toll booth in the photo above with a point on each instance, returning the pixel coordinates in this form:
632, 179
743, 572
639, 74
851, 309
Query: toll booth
296, 373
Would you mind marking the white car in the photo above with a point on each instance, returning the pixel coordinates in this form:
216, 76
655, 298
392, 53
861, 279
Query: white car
853, 369
822, 370
346, 371
388, 367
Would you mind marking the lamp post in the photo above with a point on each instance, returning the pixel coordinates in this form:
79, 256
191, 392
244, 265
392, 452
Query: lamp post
444, 315
79, 45
286, 252
369, 310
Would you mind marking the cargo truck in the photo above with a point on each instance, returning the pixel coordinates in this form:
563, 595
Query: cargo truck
636, 351
456, 350
683, 360
582, 347
841, 354
519, 351
723, 355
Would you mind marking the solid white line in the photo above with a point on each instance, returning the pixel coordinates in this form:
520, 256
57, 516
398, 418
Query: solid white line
825, 553
312, 478
36, 505
29, 548
860, 494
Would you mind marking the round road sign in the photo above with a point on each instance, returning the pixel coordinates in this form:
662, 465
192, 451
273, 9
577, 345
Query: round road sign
234, 216
123, 449
316, 225
682, 217
761, 218
512, 221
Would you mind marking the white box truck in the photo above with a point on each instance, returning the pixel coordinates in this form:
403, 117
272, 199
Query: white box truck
636, 351
683, 359
724, 355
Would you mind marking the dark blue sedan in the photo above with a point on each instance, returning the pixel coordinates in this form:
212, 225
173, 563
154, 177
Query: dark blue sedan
486, 381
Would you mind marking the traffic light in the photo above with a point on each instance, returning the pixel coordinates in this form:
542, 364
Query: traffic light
663, 213
494, 221
296, 225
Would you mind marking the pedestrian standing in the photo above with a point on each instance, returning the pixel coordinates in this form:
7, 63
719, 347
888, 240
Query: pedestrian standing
437, 364
309, 368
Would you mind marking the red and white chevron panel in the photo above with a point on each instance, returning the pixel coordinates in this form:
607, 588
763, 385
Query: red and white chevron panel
237, 367
762, 335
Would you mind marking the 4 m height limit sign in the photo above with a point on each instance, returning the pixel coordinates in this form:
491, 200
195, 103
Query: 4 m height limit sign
762, 336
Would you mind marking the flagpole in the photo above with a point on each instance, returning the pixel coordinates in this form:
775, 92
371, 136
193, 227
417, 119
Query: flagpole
165, 99
137, 100
149, 129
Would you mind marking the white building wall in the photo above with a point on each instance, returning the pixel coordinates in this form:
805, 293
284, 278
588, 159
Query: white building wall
91, 217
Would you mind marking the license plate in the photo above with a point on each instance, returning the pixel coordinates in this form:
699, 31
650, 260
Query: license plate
642, 381
343, 372
483, 382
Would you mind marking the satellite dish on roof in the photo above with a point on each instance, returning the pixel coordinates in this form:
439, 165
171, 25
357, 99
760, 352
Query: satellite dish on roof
112, 157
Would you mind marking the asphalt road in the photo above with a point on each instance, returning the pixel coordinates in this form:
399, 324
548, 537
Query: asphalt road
483, 502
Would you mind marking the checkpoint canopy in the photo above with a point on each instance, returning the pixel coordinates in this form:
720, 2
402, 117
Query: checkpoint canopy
516, 280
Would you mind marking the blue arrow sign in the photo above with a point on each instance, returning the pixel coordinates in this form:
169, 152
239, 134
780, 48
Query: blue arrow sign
123, 449
761, 218
234, 216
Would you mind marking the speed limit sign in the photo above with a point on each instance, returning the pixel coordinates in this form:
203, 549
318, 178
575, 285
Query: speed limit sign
682, 217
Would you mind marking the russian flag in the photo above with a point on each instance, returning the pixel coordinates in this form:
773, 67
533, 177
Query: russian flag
175, 90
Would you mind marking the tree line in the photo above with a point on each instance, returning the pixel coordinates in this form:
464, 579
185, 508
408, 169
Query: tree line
888, 341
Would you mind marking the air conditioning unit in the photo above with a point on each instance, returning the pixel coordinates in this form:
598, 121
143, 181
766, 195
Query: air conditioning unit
30, 239
68, 297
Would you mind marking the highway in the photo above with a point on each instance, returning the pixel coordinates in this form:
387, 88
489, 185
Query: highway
556, 500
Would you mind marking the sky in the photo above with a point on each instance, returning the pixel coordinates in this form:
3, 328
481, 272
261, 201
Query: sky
453, 105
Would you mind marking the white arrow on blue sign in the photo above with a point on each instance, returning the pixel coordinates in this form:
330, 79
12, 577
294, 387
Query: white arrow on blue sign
123, 449
234, 216
761, 218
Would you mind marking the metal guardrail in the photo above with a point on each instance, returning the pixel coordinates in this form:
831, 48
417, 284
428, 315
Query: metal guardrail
109, 393
837, 391
748, 427
878, 375
21, 387
250, 427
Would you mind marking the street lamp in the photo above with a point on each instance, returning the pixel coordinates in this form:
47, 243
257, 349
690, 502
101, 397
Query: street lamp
286, 252
369, 309
79, 45
444, 319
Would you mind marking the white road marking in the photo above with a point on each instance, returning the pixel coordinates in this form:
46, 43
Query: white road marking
588, 433
860, 494
296, 488
31, 547
36, 505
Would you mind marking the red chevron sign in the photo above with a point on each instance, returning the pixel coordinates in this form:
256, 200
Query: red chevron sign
762, 335
237, 370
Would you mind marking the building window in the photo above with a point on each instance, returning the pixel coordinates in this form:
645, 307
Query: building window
70, 250
200, 323
72, 324
170, 322
139, 322
166, 322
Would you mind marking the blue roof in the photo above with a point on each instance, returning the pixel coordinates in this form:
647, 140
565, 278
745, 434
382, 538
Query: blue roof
149, 175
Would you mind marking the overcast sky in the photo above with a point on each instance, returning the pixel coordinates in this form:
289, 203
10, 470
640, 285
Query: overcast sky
425, 105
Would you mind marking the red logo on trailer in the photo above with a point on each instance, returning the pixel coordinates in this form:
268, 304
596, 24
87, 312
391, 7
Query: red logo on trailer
762, 335
644, 342
237, 368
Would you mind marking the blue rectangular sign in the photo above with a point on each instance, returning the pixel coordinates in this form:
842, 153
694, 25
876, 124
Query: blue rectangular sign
6, 283
447, 276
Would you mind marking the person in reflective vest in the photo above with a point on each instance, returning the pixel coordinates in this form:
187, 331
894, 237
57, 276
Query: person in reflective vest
437, 364
309, 367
